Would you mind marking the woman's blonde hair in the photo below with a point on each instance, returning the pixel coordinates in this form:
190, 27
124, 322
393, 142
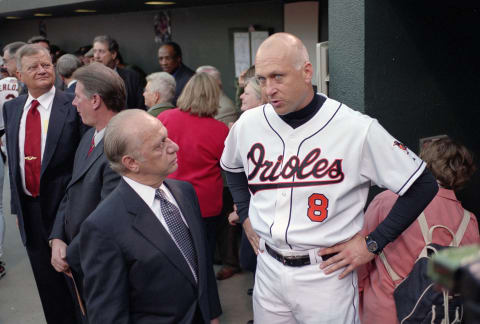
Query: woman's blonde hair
450, 162
201, 96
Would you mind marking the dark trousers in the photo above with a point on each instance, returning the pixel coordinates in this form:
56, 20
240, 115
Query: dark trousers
248, 258
211, 224
228, 236
55, 296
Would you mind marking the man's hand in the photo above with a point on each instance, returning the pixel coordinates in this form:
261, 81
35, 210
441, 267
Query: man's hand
233, 216
350, 255
253, 238
215, 321
59, 255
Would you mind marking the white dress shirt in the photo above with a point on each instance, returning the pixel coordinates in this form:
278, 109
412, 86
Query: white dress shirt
71, 83
45, 109
147, 194
98, 136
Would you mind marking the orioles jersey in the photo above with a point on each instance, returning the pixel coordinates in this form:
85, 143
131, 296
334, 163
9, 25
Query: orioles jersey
8, 91
309, 185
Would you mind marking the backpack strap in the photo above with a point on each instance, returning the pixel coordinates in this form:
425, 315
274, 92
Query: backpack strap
463, 227
390, 270
422, 221
427, 237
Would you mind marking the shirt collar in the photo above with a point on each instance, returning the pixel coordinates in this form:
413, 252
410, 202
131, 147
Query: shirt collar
45, 100
145, 192
71, 82
447, 193
98, 136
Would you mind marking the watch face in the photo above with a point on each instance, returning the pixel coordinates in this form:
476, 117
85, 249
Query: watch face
372, 246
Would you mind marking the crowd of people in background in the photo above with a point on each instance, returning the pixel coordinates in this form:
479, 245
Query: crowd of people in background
128, 188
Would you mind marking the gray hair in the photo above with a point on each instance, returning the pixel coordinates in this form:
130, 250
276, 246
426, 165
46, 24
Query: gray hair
111, 42
29, 50
97, 78
12, 48
120, 140
212, 71
67, 64
164, 83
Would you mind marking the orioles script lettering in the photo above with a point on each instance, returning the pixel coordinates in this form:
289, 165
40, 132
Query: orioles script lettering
311, 166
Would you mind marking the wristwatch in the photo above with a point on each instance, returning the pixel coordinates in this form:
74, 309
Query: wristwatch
372, 245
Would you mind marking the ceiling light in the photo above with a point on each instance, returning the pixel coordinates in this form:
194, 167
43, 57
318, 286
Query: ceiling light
85, 10
159, 3
40, 14
12, 17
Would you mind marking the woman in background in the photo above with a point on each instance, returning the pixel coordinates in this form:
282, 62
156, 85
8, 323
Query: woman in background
452, 165
201, 139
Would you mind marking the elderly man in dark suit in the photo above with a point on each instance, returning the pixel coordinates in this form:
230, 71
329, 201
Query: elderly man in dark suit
143, 250
100, 95
170, 60
43, 131
105, 51
67, 64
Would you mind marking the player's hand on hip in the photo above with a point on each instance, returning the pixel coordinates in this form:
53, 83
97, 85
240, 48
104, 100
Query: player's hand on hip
253, 238
350, 255
59, 255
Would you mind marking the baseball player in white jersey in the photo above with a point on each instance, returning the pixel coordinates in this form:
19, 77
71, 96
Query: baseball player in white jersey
8, 91
309, 162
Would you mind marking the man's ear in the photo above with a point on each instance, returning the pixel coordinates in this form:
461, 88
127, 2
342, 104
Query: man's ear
19, 75
96, 101
130, 163
307, 71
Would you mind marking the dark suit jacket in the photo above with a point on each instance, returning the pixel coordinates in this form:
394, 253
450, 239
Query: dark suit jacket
92, 180
65, 130
182, 75
134, 272
133, 86
71, 89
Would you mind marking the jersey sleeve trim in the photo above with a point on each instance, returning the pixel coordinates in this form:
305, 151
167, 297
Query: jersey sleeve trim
411, 179
231, 169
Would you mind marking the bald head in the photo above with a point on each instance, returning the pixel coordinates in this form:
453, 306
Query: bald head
287, 45
138, 147
124, 135
284, 72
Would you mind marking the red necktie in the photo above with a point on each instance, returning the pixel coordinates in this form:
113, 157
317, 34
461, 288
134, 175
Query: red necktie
92, 146
33, 149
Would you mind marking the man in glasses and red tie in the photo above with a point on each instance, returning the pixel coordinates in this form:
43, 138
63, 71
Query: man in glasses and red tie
43, 130
143, 249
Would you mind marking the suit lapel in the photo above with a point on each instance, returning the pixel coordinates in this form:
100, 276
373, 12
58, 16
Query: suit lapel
84, 160
14, 129
147, 224
55, 127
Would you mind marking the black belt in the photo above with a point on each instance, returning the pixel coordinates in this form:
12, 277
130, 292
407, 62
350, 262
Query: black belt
294, 261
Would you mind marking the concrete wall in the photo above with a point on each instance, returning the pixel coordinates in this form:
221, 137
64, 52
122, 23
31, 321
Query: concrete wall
422, 74
202, 32
346, 41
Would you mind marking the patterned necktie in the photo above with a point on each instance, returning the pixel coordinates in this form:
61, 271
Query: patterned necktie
92, 146
179, 230
33, 149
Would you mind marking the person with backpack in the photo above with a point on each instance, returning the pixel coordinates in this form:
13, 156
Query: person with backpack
452, 165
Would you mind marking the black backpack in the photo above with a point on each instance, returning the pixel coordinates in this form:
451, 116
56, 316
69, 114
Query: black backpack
417, 298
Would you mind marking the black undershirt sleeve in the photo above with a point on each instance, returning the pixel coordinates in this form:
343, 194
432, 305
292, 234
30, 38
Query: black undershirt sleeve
406, 209
238, 185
